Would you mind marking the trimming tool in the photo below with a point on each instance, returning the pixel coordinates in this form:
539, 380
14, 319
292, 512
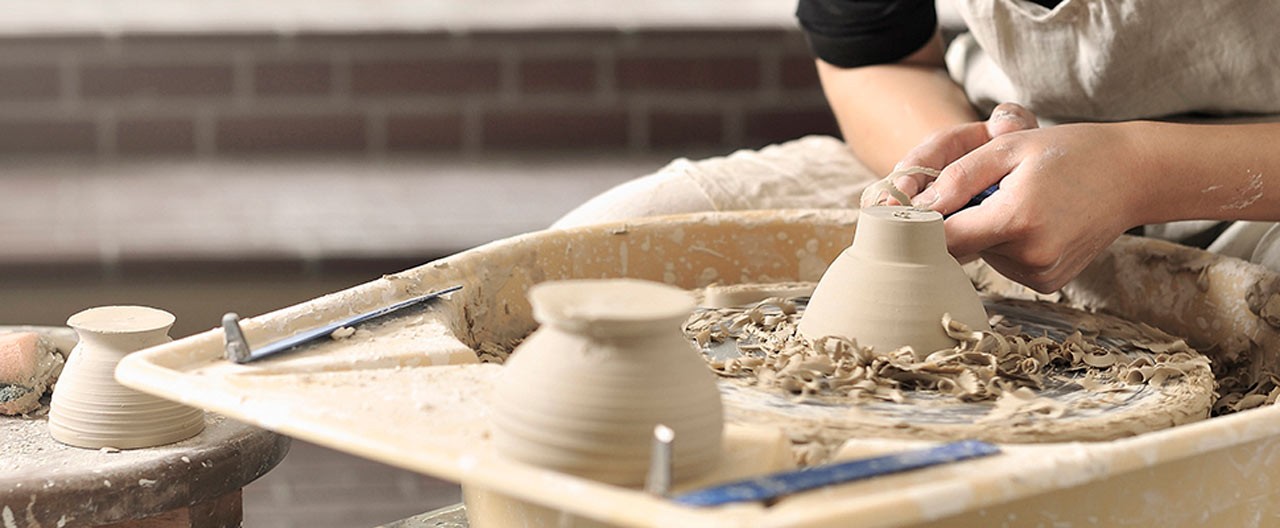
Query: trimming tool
773, 486
238, 350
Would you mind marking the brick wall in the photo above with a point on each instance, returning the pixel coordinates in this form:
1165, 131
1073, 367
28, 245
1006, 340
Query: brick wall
378, 94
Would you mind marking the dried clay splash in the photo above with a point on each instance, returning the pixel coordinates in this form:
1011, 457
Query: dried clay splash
983, 366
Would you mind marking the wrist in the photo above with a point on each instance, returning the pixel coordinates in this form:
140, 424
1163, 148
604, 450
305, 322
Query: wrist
1146, 173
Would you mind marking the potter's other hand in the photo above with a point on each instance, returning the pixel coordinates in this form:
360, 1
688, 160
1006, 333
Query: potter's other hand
1063, 198
943, 148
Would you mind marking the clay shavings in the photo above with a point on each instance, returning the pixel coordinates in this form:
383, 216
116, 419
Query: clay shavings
983, 366
877, 192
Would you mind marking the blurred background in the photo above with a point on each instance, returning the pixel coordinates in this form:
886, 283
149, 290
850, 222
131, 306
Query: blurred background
206, 157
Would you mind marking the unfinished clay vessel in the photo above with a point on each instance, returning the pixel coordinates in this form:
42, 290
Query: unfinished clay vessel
892, 286
91, 409
583, 393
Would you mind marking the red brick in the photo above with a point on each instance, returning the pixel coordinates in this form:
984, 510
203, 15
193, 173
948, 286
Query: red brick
292, 78
373, 40
82, 262
583, 38
798, 72
538, 75
794, 42
567, 129
776, 125
172, 80
53, 43
29, 82
678, 129
692, 73
179, 267
424, 132
155, 136
368, 266
188, 42
291, 133
427, 76
694, 38
47, 136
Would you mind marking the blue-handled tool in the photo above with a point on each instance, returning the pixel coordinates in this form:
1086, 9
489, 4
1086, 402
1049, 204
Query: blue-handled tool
770, 487
986, 193
237, 348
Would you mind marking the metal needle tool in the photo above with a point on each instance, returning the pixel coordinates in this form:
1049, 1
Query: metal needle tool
236, 345
238, 350
658, 481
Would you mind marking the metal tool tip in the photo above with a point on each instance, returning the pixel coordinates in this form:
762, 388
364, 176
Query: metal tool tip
663, 434
236, 347
658, 481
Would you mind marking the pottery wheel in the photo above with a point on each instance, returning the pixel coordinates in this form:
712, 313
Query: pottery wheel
926, 415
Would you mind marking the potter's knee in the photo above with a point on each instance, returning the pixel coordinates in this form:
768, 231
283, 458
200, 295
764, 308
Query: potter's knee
653, 195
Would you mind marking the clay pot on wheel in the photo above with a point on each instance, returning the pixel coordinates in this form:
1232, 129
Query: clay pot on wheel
583, 393
891, 287
91, 409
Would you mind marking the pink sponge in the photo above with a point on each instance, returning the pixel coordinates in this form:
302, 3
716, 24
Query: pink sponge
29, 363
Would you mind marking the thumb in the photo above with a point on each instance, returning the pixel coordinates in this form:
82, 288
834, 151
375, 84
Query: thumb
976, 229
1010, 117
938, 151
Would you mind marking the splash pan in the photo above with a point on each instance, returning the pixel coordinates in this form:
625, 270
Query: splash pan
1075, 404
410, 393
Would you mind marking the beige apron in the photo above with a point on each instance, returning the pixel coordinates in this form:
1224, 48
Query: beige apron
1111, 60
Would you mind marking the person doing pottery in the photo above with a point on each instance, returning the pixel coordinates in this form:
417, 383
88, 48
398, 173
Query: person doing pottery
1093, 117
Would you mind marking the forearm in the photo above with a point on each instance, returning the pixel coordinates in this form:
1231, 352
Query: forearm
1211, 172
886, 110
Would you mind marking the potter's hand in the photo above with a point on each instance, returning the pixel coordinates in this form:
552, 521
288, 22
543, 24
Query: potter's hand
945, 147
1061, 200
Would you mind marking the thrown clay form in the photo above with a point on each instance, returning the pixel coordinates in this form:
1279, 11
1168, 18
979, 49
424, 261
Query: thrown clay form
891, 287
91, 409
582, 394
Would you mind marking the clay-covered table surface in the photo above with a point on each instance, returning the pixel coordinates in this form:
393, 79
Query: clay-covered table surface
192, 483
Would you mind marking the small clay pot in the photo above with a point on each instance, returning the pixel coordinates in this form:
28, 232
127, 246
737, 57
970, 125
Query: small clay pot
891, 287
91, 409
583, 393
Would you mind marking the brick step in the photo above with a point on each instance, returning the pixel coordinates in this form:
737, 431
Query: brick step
304, 211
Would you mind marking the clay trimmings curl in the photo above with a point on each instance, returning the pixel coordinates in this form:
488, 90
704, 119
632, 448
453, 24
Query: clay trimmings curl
876, 193
983, 366
1264, 392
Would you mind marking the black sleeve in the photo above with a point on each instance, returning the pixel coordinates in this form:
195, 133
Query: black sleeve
851, 33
